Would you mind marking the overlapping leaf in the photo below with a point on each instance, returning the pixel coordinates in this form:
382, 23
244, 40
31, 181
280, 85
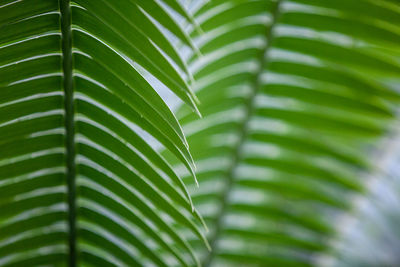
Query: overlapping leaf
128, 199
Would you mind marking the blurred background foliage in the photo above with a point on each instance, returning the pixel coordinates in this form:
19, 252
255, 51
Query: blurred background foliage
299, 103
294, 161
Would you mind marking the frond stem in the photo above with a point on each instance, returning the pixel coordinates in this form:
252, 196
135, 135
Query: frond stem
249, 104
66, 46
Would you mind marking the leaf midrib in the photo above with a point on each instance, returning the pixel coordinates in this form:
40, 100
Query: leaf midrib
66, 46
243, 134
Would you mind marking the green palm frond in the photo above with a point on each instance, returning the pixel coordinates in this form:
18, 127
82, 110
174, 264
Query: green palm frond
78, 184
293, 95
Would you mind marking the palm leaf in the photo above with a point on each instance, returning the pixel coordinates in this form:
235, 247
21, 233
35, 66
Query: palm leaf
78, 183
293, 94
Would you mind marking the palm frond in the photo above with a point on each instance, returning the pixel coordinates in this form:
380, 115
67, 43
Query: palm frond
78, 183
293, 94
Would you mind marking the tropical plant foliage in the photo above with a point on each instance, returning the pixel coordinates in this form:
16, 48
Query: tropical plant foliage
77, 183
294, 93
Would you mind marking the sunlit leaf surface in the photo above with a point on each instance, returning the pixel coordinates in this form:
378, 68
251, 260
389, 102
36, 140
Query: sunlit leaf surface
78, 184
